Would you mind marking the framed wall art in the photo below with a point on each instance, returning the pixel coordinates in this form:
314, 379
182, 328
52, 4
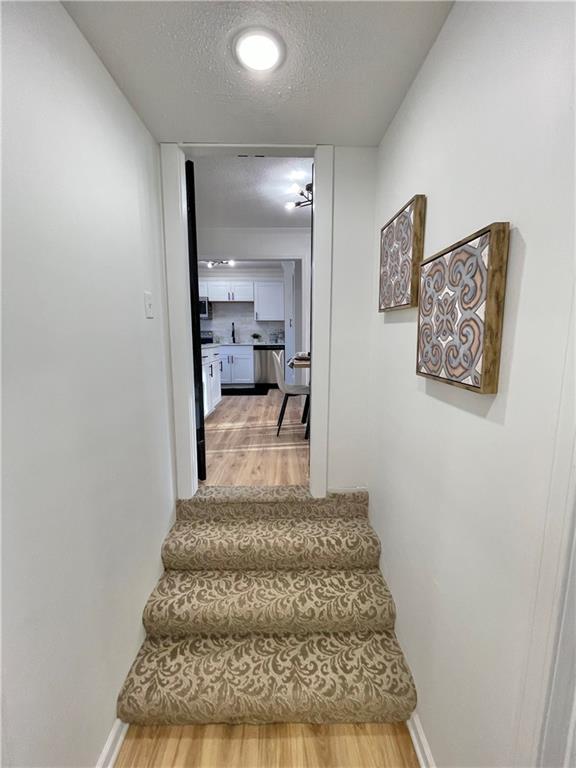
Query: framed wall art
401, 250
460, 311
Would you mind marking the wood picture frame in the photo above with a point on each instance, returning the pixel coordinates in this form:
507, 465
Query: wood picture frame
401, 252
461, 310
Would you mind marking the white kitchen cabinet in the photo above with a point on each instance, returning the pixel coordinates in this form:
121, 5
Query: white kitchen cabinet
206, 389
202, 288
237, 364
243, 367
218, 290
229, 290
242, 290
215, 383
211, 379
226, 368
269, 300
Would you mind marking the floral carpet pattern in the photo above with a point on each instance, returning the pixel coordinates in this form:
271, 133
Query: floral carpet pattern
271, 609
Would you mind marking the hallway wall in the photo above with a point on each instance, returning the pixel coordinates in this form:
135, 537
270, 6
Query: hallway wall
468, 492
353, 237
88, 479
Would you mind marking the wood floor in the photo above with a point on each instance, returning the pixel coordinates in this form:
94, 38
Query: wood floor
284, 745
242, 447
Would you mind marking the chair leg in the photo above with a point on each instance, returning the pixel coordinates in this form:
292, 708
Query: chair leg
307, 433
306, 408
282, 412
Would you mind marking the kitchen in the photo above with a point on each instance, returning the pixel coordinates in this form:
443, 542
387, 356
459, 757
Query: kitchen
242, 322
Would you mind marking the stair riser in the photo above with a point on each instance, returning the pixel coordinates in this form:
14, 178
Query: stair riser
248, 494
279, 545
265, 602
163, 622
314, 678
270, 559
317, 509
260, 713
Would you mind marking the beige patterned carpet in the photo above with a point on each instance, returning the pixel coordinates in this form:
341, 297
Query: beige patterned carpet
271, 609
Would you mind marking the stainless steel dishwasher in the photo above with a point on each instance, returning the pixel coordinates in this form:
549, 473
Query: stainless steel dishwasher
264, 372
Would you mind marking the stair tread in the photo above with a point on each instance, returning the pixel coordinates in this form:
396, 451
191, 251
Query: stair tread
321, 677
315, 600
271, 544
220, 503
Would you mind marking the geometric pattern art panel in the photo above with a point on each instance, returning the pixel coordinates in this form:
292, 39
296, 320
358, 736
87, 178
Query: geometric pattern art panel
460, 311
401, 247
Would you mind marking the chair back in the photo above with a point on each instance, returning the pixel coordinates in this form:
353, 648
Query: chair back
279, 370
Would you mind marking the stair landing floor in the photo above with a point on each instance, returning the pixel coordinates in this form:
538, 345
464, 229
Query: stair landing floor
281, 745
242, 447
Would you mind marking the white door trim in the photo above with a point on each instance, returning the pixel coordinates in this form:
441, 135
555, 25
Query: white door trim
178, 289
321, 317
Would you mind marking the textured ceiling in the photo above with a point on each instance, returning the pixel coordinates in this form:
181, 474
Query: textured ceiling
249, 191
347, 68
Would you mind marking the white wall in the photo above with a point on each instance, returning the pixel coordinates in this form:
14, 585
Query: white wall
464, 487
88, 479
349, 420
254, 242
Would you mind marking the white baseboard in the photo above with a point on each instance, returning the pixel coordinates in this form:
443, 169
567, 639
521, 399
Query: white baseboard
420, 742
113, 743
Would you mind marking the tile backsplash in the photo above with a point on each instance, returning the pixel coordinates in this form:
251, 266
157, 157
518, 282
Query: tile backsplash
242, 315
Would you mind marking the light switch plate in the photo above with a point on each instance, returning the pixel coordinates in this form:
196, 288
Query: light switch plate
148, 308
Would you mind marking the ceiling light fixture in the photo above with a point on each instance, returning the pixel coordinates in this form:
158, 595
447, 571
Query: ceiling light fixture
259, 50
306, 193
218, 263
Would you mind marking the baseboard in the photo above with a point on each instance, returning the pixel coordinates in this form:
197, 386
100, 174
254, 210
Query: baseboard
113, 743
420, 742
348, 489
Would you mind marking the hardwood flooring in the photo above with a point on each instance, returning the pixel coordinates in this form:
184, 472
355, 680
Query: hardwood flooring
283, 745
242, 447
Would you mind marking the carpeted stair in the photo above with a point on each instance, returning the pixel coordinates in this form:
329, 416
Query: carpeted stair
271, 609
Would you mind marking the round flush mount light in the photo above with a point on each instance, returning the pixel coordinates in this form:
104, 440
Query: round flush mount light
259, 50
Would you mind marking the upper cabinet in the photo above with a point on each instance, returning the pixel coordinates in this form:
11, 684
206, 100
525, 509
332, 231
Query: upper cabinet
242, 290
269, 300
228, 290
218, 290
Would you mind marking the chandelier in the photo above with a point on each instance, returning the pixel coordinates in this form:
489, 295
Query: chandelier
306, 194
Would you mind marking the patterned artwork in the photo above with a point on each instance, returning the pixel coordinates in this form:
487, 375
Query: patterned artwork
460, 311
401, 247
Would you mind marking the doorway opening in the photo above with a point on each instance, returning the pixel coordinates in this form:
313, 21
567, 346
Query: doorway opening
250, 251
186, 373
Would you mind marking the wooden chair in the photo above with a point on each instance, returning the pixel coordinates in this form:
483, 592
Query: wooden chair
288, 390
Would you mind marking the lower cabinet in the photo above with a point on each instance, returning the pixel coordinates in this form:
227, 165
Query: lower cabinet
237, 364
215, 386
211, 381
